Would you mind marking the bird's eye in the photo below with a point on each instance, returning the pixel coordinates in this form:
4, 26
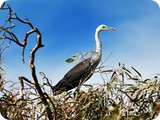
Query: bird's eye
103, 26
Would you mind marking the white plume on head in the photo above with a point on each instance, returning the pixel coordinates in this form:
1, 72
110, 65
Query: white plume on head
1, 2
158, 2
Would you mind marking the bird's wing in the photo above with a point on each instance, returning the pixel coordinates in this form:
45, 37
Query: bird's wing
79, 70
80, 73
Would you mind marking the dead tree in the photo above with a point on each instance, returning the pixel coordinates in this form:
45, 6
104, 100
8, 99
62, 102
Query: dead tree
7, 34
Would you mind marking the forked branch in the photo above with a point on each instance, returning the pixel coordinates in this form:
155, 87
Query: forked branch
7, 34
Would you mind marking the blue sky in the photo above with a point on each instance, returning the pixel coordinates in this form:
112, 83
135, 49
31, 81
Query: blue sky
68, 27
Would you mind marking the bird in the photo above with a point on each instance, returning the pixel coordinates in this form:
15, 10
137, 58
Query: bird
83, 70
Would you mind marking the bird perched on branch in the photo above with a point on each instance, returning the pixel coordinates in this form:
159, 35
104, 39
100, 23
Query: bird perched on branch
84, 70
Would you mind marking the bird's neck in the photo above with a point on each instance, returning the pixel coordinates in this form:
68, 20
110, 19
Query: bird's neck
98, 53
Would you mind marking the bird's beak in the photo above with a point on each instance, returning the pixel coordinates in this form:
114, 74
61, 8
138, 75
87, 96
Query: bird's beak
110, 28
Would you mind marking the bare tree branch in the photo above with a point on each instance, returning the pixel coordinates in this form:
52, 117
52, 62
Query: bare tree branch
7, 34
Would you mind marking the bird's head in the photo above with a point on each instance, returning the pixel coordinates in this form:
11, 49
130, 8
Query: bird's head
104, 27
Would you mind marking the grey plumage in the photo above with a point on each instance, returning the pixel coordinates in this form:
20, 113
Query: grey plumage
84, 70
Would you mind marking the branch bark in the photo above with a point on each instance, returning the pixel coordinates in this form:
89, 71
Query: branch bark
8, 34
